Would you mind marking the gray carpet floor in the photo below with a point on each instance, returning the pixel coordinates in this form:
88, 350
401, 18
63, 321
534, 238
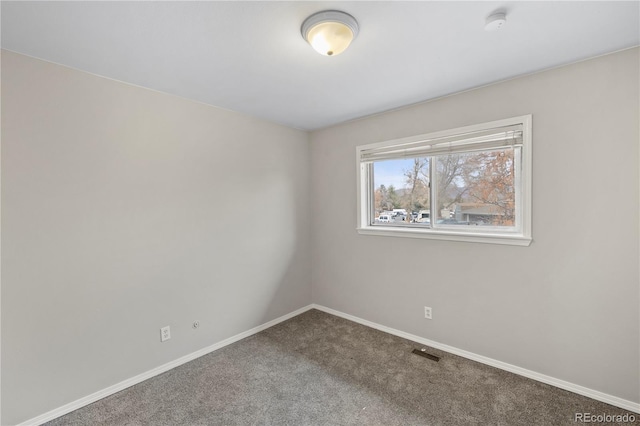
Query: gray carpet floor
319, 369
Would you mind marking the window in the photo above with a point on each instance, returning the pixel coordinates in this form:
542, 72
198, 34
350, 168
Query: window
466, 184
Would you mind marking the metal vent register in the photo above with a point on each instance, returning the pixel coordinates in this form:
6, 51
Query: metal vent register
423, 353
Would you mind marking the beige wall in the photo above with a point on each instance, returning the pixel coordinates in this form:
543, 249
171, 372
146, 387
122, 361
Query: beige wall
125, 210
568, 305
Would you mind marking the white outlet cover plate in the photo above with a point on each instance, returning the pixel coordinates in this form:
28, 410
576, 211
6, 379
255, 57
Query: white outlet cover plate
165, 333
427, 312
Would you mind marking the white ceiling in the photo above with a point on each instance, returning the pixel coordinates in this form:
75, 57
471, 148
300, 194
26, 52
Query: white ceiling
250, 57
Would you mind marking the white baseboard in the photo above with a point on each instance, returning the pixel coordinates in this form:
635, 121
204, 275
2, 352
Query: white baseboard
67, 408
580, 390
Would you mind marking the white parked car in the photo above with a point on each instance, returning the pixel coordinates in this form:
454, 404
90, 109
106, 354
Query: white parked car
423, 217
385, 218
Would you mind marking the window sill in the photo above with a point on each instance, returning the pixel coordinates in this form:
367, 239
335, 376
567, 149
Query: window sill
447, 235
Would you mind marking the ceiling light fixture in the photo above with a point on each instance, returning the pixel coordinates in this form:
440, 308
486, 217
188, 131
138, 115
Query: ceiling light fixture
329, 32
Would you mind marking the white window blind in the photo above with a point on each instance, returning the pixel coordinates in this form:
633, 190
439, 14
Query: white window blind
502, 137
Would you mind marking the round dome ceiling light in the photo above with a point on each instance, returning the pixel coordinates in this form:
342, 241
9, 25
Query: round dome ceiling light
329, 32
495, 22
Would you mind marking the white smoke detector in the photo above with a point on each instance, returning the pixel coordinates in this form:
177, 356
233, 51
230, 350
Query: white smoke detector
495, 22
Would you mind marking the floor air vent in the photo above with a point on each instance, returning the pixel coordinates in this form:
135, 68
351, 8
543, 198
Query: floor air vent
424, 353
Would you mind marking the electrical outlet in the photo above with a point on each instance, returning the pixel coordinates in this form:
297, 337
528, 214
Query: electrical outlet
427, 312
196, 324
165, 333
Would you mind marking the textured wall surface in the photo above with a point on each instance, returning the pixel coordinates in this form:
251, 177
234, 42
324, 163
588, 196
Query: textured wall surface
125, 210
568, 305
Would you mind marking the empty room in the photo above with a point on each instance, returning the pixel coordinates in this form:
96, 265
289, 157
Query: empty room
320, 213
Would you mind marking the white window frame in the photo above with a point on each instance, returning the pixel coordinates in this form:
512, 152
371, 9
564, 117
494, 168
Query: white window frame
521, 236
